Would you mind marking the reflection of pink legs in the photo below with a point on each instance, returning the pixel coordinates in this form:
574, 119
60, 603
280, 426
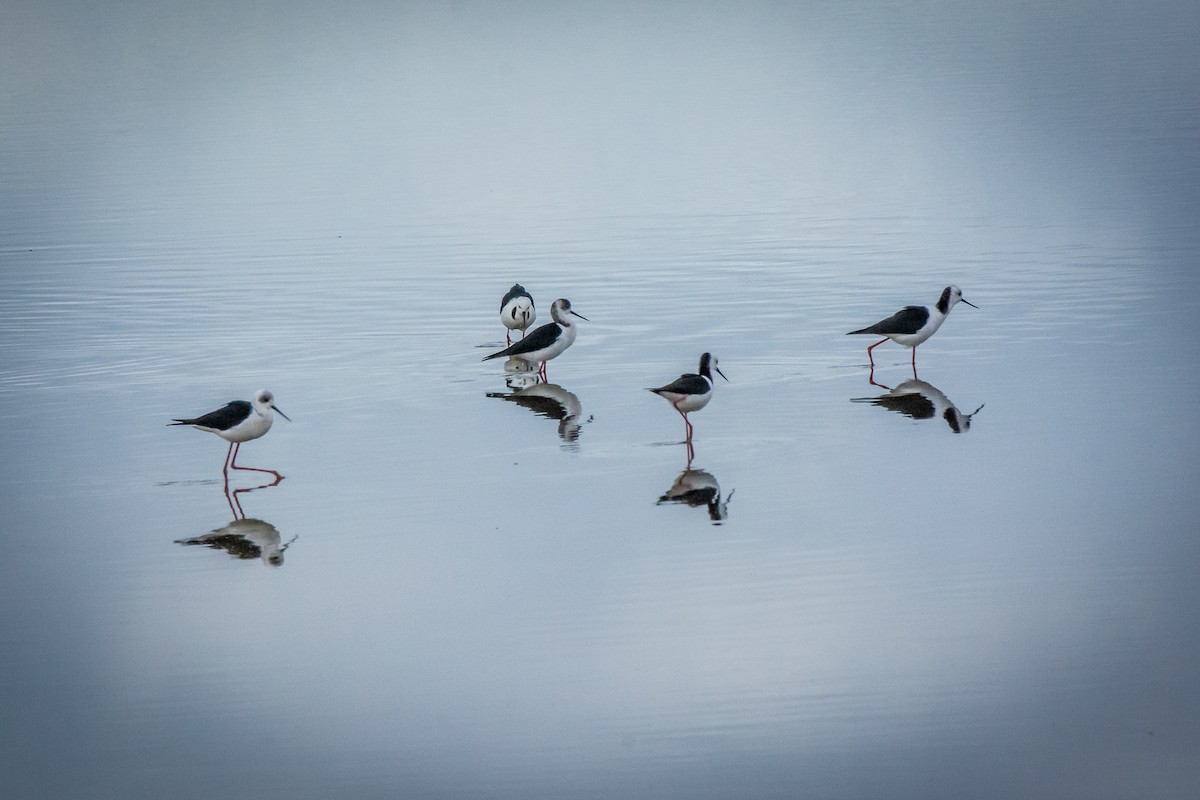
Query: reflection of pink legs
542, 373
507, 339
235, 505
874, 382
691, 453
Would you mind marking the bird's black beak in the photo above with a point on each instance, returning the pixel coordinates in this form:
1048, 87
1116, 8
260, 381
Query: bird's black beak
280, 413
968, 302
722, 374
582, 317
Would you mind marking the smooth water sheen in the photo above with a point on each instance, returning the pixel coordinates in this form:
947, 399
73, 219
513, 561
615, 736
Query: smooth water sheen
471, 586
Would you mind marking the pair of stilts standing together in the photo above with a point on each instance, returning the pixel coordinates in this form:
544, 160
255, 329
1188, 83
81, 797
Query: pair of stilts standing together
687, 393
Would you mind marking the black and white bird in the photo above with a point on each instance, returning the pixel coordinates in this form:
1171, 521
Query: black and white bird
239, 421
691, 392
546, 342
517, 311
912, 325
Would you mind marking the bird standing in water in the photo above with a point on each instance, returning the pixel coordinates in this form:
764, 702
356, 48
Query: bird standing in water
239, 421
517, 311
547, 342
912, 325
690, 391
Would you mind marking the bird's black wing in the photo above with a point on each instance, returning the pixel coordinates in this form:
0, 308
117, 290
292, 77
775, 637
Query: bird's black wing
693, 497
542, 337
235, 544
917, 406
546, 407
685, 384
516, 291
909, 319
222, 419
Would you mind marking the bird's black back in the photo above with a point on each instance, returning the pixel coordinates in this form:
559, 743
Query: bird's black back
687, 383
694, 497
909, 319
917, 406
517, 290
222, 419
543, 336
546, 407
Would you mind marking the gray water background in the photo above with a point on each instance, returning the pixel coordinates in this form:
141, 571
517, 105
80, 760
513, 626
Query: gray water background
476, 600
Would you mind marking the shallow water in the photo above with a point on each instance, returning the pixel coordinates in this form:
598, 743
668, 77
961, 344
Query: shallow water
468, 585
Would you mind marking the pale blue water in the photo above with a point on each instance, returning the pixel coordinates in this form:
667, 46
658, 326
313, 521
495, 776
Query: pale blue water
452, 594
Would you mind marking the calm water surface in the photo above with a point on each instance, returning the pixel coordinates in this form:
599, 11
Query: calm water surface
469, 585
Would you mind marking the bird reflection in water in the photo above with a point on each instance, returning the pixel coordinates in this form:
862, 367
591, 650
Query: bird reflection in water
698, 487
547, 400
921, 400
245, 538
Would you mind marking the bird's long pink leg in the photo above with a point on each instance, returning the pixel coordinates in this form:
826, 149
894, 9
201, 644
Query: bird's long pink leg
872, 347
542, 373
914, 363
507, 338
229, 457
691, 453
688, 424
234, 465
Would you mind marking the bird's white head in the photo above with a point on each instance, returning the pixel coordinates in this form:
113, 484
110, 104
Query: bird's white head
951, 296
264, 401
957, 420
560, 309
516, 309
708, 365
523, 312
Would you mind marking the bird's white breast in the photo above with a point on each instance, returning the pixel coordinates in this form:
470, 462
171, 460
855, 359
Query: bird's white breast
565, 339
252, 427
936, 318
